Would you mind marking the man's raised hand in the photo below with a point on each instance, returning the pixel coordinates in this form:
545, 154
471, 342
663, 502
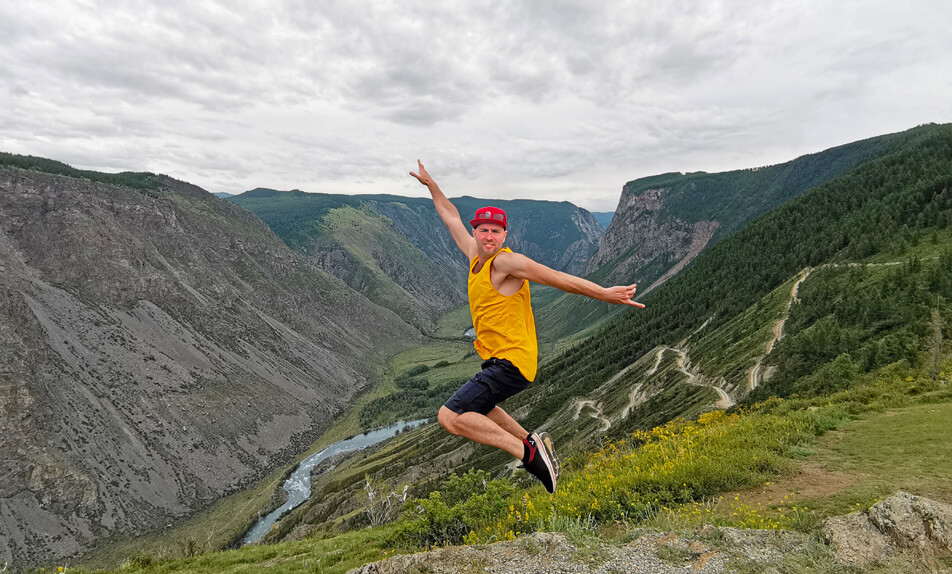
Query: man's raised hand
423, 177
623, 295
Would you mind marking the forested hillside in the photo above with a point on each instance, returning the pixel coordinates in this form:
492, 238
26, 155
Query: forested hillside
663, 222
884, 203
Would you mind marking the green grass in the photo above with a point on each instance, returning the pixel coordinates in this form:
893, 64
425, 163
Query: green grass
453, 324
209, 530
330, 556
730, 350
907, 448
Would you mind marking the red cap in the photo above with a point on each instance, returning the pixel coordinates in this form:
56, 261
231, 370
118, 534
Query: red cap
489, 214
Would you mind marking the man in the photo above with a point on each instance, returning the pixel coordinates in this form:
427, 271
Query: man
500, 305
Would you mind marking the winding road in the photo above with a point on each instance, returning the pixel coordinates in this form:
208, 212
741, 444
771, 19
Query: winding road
580, 404
756, 374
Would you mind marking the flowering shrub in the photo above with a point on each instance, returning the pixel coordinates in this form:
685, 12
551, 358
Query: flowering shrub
630, 480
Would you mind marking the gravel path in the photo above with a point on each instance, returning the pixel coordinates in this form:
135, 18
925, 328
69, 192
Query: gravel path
709, 551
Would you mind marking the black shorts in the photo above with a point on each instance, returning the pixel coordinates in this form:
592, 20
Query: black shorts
498, 381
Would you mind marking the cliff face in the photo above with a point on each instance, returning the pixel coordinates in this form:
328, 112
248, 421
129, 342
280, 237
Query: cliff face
646, 245
158, 349
662, 222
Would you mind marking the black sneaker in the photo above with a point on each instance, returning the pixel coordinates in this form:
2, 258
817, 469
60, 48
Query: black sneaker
538, 464
546, 440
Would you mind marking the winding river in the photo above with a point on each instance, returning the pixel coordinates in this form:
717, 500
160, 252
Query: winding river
298, 485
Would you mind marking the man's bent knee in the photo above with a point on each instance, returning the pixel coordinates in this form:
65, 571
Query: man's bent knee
447, 419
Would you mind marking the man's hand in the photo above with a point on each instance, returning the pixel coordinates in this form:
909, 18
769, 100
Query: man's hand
423, 177
623, 295
448, 214
522, 267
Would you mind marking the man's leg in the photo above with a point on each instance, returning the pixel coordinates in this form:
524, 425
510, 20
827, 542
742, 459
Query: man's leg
482, 429
507, 423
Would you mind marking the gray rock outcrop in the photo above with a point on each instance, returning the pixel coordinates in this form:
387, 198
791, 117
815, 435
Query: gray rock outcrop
901, 523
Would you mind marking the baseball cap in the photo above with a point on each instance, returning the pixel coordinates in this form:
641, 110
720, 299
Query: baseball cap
489, 214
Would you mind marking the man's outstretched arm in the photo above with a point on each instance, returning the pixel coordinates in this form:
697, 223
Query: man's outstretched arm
448, 213
517, 265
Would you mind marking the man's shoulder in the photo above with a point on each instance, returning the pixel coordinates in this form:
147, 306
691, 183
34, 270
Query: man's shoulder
504, 255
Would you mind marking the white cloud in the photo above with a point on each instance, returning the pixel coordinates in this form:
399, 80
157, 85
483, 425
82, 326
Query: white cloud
562, 100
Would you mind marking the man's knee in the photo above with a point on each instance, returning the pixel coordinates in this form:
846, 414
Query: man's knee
447, 419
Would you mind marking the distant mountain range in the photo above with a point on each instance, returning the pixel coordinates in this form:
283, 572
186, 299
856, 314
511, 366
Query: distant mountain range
396, 250
604, 218
662, 223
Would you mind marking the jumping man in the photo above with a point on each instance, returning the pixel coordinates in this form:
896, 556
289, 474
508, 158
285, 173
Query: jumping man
505, 333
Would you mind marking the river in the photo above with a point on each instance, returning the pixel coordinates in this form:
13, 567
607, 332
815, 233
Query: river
298, 485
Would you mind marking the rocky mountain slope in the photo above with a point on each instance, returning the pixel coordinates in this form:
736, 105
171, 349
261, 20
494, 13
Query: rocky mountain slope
662, 222
159, 347
395, 249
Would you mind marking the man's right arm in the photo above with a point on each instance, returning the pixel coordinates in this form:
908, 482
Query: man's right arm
448, 214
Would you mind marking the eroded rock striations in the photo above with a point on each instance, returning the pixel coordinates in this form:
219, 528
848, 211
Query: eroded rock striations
158, 349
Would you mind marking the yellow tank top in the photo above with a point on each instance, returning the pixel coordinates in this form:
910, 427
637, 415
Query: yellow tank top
505, 327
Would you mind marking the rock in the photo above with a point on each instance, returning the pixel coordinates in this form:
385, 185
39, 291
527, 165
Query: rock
916, 523
159, 348
855, 541
902, 522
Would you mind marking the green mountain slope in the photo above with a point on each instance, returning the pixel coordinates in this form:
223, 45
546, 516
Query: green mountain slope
396, 251
866, 211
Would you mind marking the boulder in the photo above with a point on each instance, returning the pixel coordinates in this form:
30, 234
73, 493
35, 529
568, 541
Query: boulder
901, 523
916, 523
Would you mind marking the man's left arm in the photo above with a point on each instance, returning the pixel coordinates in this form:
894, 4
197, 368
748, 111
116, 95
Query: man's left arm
517, 265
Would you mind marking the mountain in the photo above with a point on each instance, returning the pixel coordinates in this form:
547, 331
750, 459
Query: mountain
159, 348
879, 206
396, 251
224, 195
663, 222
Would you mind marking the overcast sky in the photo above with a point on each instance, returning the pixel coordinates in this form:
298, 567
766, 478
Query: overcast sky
559, 100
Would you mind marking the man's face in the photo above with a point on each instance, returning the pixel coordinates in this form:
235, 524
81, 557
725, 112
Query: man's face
489, 237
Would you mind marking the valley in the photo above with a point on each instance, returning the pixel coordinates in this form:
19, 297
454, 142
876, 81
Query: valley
743, 371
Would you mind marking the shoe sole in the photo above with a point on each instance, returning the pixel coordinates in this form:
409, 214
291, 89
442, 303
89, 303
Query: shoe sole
546, 439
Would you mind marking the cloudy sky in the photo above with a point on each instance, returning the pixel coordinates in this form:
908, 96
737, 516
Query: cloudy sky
560, 100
